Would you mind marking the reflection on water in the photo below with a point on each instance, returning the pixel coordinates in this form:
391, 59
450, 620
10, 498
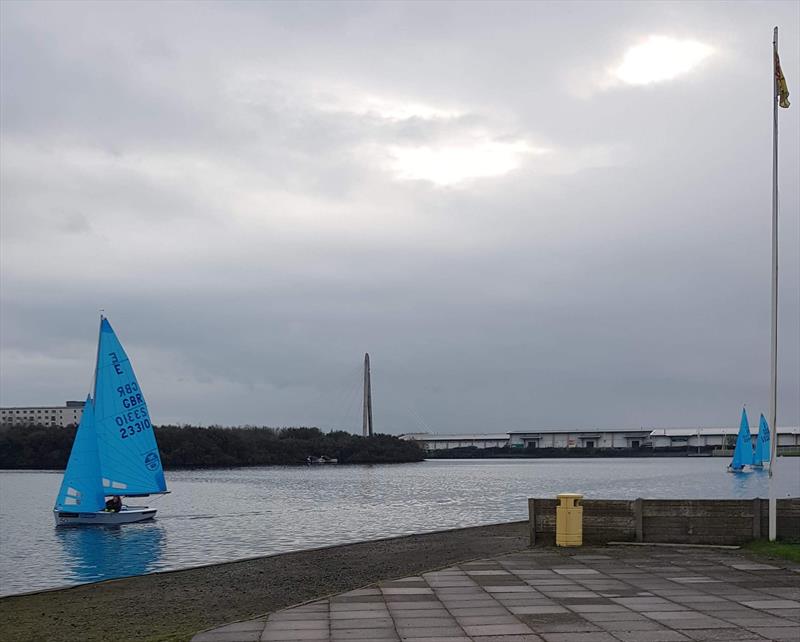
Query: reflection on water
227, 514
744, 480
99, 552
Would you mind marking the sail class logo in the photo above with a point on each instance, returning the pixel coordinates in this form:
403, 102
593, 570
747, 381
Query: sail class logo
151, 460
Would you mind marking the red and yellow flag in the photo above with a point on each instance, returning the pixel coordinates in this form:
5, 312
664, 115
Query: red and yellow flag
780, 81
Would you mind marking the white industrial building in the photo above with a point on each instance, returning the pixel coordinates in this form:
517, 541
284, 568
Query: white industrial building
446, 442
788, 437
579, 438
43, 415
657, 438
541, 438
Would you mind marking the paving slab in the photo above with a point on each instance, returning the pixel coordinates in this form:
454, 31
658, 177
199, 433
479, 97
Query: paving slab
528, 637
662, 635
292, 636
344, 635
762, 620
632, 625
430, 631
776, 634
719, 635
600, 594
479, 611
299, 625
386, 622
630, 616
773, 604
536, 610
579, 637
572, 625
457, 638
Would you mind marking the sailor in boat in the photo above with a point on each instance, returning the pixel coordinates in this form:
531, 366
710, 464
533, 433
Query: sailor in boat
114, 504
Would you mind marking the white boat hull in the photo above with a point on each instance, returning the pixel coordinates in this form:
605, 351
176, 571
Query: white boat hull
104, 518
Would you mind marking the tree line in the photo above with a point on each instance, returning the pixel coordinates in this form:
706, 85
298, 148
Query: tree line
48, 447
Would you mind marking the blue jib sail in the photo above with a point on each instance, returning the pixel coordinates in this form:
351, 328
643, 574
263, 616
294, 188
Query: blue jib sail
129, 459
762, 452
743, 455
81, 490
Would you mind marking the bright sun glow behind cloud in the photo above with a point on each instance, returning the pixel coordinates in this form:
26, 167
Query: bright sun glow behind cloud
401, 109
351, 100
660, 58
459, 162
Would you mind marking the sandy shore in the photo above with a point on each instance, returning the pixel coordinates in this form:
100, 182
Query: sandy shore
175, 605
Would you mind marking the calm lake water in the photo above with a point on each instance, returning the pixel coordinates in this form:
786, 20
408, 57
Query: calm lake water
227, 514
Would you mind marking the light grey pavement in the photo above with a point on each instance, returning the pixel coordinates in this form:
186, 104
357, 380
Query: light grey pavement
608, 594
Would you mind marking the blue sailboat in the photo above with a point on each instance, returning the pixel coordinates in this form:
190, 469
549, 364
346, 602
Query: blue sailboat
115, 451
743, 453
762, 451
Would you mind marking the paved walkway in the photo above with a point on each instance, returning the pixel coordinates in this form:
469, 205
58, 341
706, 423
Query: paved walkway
609, 594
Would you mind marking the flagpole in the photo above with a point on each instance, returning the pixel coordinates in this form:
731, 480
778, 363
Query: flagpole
773, 391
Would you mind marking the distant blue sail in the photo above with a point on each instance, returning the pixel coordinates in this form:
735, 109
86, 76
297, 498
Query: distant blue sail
81, 490
743, 454
129, 458
762, 452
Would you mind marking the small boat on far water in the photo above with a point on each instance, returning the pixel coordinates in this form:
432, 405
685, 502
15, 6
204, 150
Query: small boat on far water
762, 451
743, 453
115, 451
313, 461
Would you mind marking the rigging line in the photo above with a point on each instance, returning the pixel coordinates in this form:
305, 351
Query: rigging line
330, 395
351, 375
94, 370
348, 391
347, 415
403, 372
420, 421
323, 392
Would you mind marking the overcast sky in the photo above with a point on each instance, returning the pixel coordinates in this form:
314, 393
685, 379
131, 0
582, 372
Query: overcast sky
530, 214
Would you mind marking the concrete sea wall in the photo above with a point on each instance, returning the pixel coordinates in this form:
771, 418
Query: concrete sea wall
679, 521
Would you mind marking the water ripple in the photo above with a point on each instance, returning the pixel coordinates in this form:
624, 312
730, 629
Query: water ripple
221, 515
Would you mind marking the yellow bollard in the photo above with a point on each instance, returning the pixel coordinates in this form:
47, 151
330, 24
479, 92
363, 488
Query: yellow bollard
569, 520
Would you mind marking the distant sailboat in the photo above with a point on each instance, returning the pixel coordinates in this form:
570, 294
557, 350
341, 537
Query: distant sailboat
115, 452
743, 454
761, 455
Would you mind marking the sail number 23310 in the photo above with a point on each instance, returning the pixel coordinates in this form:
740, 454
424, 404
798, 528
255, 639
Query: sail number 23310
132, 429
132, 422
135, 420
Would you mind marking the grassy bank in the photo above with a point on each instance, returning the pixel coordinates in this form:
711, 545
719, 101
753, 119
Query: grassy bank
174, 606
784, 550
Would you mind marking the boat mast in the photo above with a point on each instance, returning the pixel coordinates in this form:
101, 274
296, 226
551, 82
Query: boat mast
367, 422
97, 358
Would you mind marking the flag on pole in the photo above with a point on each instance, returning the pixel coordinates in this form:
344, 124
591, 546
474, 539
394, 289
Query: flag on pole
783, 90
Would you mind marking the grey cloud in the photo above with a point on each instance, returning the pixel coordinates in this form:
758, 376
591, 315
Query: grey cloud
180, 167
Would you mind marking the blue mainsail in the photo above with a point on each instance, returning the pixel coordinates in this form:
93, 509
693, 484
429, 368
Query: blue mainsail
129, 459
762, 444
743, 454
81, 489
